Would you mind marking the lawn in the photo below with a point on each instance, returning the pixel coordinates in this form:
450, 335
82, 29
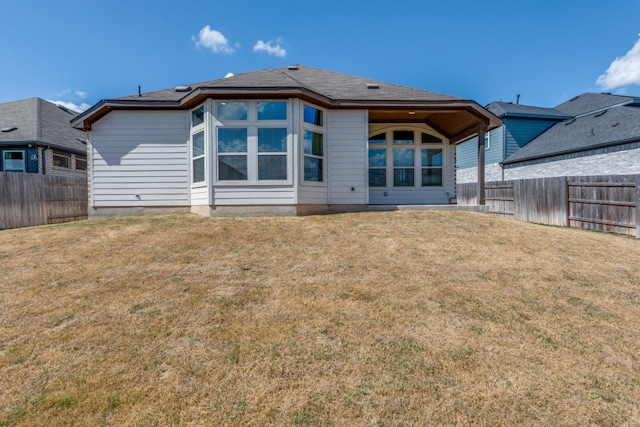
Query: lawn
364, 319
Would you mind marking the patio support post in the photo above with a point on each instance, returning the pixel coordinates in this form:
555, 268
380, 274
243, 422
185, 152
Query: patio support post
481, 147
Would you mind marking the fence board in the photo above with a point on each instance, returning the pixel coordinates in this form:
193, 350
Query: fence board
33, 199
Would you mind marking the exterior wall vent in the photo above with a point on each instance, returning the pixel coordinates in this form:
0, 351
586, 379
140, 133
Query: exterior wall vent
373, 86
292, 67
183, 88
9, 129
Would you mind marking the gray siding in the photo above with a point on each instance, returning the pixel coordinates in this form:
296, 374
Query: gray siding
232, 195
467, 152
521, 131
348, 157
140, 158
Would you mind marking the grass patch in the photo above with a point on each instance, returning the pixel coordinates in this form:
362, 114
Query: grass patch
385, 319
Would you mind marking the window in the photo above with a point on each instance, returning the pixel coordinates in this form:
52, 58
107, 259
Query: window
396, 159
313, 156
197, 157
403, 170
197, 116
81, 163
378, 167
232, 111
487, 140
432, 167
232, 154
313, 116
61, 160
272, 110
13, 161
272, 154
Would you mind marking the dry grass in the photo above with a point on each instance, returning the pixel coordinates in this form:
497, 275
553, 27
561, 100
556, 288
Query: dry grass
375, 319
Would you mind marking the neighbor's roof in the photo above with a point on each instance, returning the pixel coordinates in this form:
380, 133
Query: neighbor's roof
590, 102
39, 122
325, 88
509, 109
604, 128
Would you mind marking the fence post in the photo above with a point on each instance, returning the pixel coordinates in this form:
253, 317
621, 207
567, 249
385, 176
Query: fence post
638, 206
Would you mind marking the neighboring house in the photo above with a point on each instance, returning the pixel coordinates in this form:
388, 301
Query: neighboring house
284, 141
521, 124
602, 137
36, 137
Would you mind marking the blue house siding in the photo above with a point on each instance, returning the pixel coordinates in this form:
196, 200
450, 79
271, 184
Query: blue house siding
467, 152
520, 131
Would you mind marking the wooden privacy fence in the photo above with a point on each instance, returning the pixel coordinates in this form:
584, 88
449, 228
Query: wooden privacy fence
604, 203
33, 199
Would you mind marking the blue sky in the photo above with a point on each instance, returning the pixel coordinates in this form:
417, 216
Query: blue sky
547, 51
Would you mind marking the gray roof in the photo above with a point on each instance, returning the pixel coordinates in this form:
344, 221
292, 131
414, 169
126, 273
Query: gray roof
505, 109
334, 86
589, 102
40, 122
613, 126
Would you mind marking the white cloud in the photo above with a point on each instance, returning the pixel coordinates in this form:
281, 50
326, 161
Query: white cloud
214, 40
270, 48
228, 75
81, 94
72, 106
622, 71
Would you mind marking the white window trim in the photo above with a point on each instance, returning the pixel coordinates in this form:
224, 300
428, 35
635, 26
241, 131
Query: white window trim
252, 124
24, 160
325, 145
193, 130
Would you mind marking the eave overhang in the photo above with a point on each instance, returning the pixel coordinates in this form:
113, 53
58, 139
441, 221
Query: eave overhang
456, 119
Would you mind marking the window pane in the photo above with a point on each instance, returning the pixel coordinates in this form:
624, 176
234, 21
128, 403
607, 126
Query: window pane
81, 163
272, 111
232, 140
430, 139
403, 157
377, 157
313, 116
198, 144
61, 161
432, 157
432, 177
313, 143
232, 168
403, 177
197, 116
198, 170
403, 137
272, 140
272, 167
377, 177
14, 161
378, 139
232, 110
312, 169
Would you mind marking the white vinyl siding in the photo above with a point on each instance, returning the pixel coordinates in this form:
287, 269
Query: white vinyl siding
347, 157
140, 158
248, 196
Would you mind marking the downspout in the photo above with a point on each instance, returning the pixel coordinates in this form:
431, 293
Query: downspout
481, 146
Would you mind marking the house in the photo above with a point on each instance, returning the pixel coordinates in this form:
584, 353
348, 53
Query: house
36, 137
520, 125
284, 141
602, 137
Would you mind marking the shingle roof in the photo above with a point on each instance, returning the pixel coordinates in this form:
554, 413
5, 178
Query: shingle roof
332, 85
39, 122
589, 102
504, 109
614, 126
